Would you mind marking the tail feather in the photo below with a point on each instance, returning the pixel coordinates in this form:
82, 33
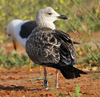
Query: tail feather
70, 75
72, 72
76, 42
79, 71
68, 71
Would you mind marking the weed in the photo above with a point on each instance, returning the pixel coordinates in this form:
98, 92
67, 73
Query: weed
92, 57
77, 94
62, 95
95, 76
77, 89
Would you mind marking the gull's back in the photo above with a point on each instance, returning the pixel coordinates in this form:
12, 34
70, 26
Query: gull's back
19, 30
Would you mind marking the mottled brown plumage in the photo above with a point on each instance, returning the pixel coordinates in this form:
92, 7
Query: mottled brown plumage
50, 47
45, 45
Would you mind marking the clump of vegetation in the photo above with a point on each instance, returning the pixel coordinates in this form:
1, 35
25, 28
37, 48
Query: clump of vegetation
77, 94
62, 95
12, 59
92, 56
77, 89
95, 76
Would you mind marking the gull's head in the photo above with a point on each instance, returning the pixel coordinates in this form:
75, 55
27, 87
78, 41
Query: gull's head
46, 16
11, 35
11, 30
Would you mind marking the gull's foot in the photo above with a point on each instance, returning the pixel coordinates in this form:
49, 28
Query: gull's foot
56, 85
30, 69
47, 88
46, 83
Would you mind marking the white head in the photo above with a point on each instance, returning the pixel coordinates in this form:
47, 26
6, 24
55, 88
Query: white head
46, 16
11, 30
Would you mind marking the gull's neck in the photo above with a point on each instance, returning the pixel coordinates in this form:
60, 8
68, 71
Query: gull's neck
21, 40
46, 24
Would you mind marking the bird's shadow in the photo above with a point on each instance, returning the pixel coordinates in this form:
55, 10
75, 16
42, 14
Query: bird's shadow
17, 88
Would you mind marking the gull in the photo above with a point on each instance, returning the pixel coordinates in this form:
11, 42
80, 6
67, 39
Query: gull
50, 47
19, 30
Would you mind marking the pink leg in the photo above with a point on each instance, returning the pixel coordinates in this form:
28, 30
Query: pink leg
56, 79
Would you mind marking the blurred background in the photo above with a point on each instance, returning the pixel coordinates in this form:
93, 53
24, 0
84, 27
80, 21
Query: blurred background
83, 25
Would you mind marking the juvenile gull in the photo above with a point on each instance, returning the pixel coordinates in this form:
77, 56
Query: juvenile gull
19, 30
50, 47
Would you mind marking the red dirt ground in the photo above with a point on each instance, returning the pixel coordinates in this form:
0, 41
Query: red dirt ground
15, 82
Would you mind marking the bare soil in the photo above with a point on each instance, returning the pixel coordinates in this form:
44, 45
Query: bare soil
14, 82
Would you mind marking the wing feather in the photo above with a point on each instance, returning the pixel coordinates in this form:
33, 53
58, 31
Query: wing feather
49, 47
67, 50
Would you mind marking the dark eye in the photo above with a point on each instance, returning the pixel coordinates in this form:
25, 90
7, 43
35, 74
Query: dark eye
50, 13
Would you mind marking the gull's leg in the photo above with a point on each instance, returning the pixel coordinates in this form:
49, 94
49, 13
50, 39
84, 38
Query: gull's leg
40, 67
30, 62
45, 77
56, 85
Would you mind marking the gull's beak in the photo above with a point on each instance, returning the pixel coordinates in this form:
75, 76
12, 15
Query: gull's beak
14, 44
62, 17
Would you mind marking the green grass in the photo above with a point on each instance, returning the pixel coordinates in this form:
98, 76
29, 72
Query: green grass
40, 78
12, 59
